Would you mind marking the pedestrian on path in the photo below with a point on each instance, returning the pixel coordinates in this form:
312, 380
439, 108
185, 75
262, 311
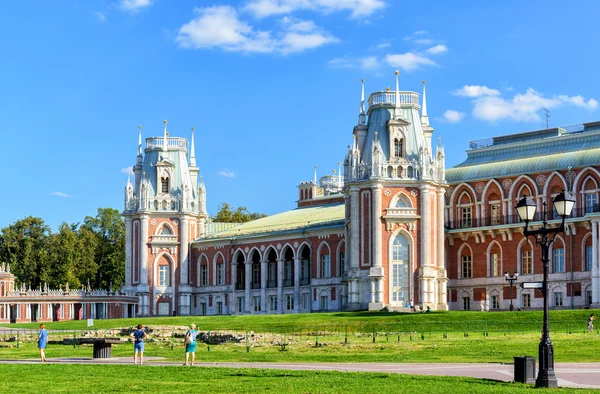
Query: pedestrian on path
42, 342
190, 343
138, 344
591, 323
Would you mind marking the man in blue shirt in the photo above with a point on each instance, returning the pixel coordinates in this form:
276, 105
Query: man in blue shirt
42, 342
138, 344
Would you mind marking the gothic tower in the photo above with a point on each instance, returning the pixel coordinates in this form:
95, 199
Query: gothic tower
164, 210
394, 187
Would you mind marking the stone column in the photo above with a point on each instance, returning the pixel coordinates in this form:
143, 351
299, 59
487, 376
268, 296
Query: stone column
248, 285
442, 303
280, 300
595, 267
232, 285
144, 251
128, 252
183, 250
263, 285
354, 258
297, 263
376, 273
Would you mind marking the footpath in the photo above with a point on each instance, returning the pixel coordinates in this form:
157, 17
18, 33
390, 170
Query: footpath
575, 375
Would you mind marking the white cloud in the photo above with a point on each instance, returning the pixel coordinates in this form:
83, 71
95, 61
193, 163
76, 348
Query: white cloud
475, 91
422, 41
357, 8
100, 16
225, 173
363, 63
221, 27
127, 170
436, 50
383, 45
490, 107
134, 5
409, 61
452, 116
60, 194
420, 32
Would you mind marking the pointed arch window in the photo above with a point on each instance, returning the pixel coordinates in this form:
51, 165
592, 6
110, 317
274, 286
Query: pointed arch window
164, 185
400, 270
398, 146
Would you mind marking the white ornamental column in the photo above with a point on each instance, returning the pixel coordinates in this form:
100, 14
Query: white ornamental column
280, 301
376, 272
248, 279
595, 267
143, 247
441, 254
184, 231
353, 272
297, 262
233, 298
263, 285
128, 252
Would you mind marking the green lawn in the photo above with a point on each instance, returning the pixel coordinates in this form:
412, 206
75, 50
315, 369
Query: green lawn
577, 347
125, 379
455, 321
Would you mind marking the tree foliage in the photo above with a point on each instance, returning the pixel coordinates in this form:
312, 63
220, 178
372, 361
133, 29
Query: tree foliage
93, 252
227, 214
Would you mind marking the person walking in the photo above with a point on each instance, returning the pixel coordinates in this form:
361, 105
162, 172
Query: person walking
138, 343
42, 342
590, 322
190, 343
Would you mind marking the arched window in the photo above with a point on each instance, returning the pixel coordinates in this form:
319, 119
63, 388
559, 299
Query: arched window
400, 270
164, 274
398, 146
165, 231
403, 202
164, 185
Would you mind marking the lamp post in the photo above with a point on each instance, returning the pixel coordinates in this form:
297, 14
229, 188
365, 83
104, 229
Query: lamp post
544, 236
511, 279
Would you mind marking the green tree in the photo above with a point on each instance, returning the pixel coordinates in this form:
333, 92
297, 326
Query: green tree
109, 229
24, 245
63, 257
239, 215
87, 267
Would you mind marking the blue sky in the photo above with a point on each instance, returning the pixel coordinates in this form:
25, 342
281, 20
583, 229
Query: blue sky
272, 87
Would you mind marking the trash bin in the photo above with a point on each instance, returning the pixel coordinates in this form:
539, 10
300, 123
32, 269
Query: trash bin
525, 369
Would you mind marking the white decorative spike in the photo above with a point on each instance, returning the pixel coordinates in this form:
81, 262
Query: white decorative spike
339, 173
362, 117
193, 151
424, 117
315, 176
397, 91
165, 137
140, 141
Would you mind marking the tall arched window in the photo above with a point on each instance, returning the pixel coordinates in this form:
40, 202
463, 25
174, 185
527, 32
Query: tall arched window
399, 270
164, 185
398, 147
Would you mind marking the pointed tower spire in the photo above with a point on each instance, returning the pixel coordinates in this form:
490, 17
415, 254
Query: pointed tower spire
362, 117
192, 151
165, 138
424, 117
339, 173
397, 106
315, 176
140, 141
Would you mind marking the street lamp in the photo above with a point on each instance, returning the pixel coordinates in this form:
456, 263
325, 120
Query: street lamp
511, 279
563, 204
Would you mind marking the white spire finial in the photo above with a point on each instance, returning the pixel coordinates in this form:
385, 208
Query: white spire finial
339, 173
165, 137
315, 176
397, 91
362, 118
140, 141
192, 150
424, 117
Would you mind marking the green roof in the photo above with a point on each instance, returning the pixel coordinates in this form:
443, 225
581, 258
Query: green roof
289, 221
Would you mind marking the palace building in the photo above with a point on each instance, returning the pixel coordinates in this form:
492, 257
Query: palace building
397, 228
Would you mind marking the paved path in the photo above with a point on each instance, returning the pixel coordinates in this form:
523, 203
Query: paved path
579, 375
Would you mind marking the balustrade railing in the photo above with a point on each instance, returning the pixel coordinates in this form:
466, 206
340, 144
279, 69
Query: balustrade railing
158, 142
515, 219
390, 98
